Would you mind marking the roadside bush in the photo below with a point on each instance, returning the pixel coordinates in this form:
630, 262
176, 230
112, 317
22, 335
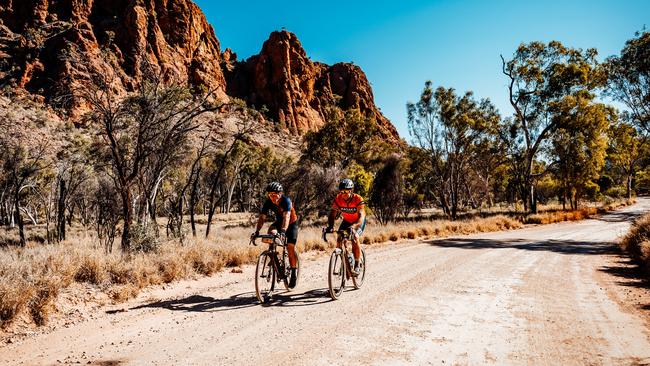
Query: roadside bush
637, 241
616, 192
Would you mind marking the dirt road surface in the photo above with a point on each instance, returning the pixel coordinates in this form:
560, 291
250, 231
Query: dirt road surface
547, 295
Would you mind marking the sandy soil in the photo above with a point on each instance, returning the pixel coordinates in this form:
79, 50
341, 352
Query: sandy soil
548, 295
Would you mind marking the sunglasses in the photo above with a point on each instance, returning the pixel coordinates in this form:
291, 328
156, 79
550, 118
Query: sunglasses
345, 191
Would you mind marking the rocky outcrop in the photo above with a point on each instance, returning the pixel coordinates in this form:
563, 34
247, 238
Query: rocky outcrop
46, 44
296, 90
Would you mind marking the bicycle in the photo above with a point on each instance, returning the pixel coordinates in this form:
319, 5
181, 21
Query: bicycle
342, 264
270, 269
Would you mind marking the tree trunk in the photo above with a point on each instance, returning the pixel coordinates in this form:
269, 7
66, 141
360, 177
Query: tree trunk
192, 202
127, 213
151, 204
628, 187
60, 215
19, 219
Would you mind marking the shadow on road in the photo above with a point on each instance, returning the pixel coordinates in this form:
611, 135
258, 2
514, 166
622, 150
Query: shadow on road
618, 216
199, 303
632, 274
557, 246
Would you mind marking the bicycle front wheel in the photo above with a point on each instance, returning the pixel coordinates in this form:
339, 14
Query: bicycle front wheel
336, 274
264, 277
357, 281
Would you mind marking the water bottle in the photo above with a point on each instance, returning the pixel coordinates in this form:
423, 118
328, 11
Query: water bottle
351, 260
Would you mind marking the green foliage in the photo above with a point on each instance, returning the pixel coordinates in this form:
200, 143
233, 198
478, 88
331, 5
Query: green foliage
626, 153
579, 144
541, 77
629, 78
362, 179
345, 138
643, 181
387, 190
455, 133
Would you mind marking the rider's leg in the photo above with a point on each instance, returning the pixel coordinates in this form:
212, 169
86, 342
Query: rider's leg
272, 231
356, 248
293, 258
292, 239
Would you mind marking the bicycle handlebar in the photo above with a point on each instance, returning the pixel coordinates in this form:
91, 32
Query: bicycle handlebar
275, 239
339, 232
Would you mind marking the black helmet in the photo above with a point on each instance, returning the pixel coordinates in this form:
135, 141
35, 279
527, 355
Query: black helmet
346, 184
274, 187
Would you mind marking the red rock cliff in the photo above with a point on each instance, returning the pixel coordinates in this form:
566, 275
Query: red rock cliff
295, 90
36, 37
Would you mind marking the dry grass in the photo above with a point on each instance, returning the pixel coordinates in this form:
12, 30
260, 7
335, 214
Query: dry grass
32, 277
554, 213
637, 242
437, 228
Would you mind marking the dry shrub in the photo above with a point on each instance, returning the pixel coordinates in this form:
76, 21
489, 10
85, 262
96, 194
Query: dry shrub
203, 260
119, 271
122, 293
317, 245
637, 241
15, 293
91, 270
40, 304
171, 269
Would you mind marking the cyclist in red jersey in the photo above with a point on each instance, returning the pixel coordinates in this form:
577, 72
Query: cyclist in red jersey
352, 207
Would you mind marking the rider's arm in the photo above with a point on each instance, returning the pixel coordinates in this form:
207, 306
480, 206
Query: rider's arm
260, 222
362, 217
331, 217
286, 217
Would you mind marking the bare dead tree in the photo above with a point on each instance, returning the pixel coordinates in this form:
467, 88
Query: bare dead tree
142, 133
245, 127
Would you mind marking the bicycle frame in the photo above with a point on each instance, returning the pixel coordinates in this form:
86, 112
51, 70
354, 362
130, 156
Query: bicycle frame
338, 274
275, 242
270, 268
344, 237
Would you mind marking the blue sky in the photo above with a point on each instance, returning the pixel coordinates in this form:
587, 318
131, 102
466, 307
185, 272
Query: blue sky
401, 44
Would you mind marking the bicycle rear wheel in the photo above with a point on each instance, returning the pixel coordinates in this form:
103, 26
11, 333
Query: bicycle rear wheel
357, 281
264, 277
336, 274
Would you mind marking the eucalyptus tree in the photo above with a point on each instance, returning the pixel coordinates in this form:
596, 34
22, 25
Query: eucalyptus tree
450, 128
539, 75
626, 151
629, 79
579, 144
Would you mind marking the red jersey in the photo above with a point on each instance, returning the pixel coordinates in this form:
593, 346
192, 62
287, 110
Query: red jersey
349, 208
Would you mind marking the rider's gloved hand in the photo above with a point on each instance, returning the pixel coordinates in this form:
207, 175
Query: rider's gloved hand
253, 235
282, 234
353, 231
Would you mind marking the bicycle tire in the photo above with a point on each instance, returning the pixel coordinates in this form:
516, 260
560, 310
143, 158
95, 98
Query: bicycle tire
357, 281
264, 278
336, 274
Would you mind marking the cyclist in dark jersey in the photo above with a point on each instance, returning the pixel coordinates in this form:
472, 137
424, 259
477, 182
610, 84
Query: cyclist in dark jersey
285, 224
353, 209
